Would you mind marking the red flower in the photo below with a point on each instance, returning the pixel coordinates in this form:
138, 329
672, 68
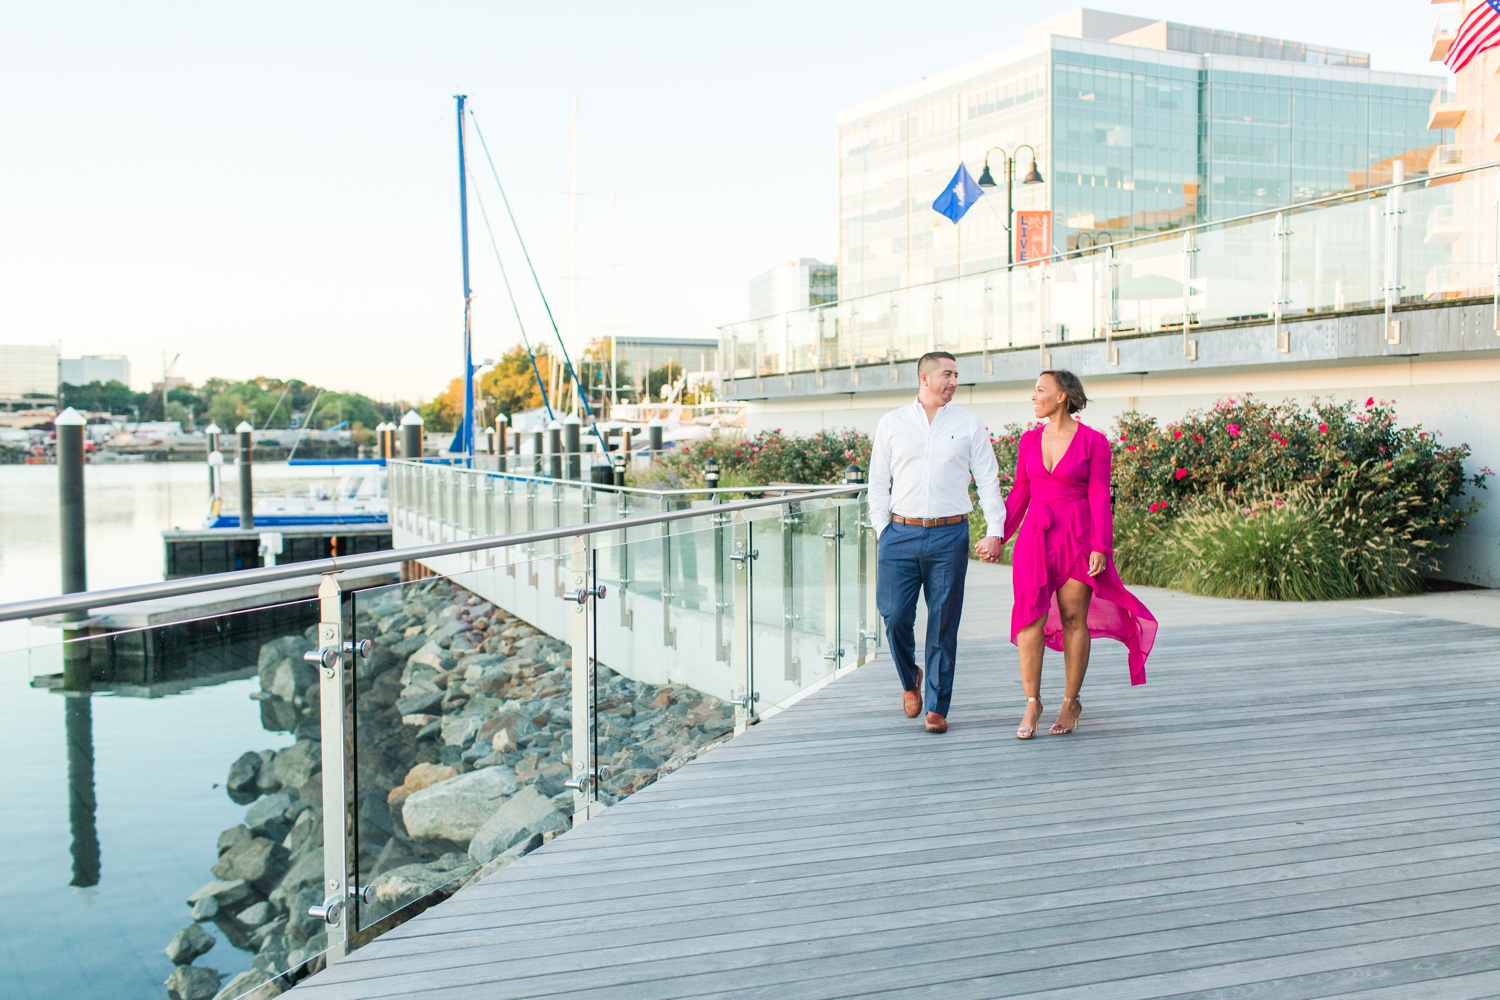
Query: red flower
1322, 428
1130, 447
1181, 473
1200, 438
1176, 435
1370, 401
1234, 430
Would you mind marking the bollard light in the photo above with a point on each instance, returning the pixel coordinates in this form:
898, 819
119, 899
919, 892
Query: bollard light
711, 478
854, 475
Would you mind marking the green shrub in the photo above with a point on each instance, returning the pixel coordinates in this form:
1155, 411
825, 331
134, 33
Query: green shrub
1385, 495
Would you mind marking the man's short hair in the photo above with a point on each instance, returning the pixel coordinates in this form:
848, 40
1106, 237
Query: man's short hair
929, 361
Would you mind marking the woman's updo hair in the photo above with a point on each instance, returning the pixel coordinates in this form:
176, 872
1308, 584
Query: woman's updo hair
1073, 386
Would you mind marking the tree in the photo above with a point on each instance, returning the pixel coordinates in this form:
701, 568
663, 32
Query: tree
111, 396
511, 386
658, 377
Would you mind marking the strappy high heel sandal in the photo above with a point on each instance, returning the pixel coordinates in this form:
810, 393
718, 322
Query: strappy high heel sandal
1028, 732
1057, 729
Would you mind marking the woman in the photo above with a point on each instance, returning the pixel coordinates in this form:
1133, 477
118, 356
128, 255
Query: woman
1066, 587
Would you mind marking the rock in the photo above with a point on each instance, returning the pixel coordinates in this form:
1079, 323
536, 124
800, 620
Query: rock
455, 809
400, 886
255, 914
265, 780
251, 861
419, 698
243, 772
459, 730
431, 655
283, 672
189, 943
297, 763
206, 909
267, 818
445, 633
225, 892
420, 777
306, 871
191, 982
246, 981
526, 813
233, 836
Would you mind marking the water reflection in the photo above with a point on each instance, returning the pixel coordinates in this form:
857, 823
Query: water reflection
78, 721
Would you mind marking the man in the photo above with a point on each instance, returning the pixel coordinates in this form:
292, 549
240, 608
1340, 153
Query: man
923, 457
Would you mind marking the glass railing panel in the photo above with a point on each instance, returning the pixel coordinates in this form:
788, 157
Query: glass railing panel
1235, 268
463, 740
665, 673
1446, 239
165, 807
1149, 289
1335, 255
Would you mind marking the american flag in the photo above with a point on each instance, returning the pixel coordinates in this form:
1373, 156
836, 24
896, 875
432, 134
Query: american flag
1480, 30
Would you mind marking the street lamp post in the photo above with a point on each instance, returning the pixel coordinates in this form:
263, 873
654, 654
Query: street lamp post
986, 180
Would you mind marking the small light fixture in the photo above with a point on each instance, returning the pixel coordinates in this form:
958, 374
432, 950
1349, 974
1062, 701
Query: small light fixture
985, 179
1033, 176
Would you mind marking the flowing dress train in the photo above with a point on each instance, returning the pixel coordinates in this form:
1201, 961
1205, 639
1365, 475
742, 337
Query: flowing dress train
1062, 516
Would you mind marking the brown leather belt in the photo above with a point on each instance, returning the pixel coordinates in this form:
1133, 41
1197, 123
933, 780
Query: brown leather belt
929, 522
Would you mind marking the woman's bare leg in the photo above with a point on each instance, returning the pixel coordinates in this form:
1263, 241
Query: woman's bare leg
1030, 643
1073, 608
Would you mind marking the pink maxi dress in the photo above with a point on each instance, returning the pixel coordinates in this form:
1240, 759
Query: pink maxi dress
1067, 515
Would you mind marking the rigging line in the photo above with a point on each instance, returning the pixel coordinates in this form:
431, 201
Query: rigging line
284, 390
582, 391
303, 429
514, 307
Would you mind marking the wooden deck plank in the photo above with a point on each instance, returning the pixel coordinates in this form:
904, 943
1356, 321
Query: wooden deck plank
1244, 826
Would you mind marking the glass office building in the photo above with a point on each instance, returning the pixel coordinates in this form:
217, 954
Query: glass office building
1138, 126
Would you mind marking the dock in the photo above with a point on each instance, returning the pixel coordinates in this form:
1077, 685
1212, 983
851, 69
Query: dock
1304, 801
198, 551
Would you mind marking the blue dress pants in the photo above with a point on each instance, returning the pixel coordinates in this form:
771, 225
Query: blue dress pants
934, 561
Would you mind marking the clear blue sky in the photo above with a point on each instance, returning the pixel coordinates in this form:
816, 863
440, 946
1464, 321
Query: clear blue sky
270, 188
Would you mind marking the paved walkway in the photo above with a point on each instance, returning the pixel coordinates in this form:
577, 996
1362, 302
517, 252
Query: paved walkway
1302, 802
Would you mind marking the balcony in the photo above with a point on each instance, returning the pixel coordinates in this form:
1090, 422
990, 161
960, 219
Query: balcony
1446, 111
1442, 38
1443, 225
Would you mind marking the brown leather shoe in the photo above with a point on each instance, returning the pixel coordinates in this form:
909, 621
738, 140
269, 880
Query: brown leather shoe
936, 723
911, 701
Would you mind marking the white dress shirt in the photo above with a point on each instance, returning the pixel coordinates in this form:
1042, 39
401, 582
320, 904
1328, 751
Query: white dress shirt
922, 469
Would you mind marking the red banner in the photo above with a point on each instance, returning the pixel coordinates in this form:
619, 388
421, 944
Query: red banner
1033, 236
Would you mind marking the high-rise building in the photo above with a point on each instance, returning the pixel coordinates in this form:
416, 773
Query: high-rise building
28, 373
797, 284
94, 368
1134, 125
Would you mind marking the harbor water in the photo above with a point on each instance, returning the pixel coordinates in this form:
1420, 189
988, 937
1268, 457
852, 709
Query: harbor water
113, 801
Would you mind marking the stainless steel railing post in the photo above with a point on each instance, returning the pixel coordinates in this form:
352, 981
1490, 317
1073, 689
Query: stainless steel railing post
331, 660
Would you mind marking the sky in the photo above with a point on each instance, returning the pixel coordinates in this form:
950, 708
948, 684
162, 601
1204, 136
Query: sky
239, 189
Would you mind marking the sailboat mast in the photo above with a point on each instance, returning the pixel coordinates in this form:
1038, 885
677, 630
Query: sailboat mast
614, 304
463, 441
575, 334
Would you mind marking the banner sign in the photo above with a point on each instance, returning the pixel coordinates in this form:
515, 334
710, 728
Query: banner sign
1033, 236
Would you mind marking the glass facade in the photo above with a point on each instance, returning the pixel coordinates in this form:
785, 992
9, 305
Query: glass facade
1130, 138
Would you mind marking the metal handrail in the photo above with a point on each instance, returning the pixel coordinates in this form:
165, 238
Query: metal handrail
84, 600
531, 477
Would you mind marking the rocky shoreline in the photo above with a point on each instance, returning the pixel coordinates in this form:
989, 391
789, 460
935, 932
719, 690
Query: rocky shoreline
463, 735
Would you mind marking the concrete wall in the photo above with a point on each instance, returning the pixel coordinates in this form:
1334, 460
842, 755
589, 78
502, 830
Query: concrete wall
1455, 392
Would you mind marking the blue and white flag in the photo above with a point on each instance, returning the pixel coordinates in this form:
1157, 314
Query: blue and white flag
959, 196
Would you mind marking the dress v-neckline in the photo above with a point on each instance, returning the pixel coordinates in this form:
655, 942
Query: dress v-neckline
1067, 448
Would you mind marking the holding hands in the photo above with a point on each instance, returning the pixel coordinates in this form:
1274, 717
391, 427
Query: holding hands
988, 548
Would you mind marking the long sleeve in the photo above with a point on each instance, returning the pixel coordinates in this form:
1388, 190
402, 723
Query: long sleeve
880, 477
986, 473
1019, 497
1101, 514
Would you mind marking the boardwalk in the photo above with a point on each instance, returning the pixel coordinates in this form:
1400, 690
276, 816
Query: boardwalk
1300, 810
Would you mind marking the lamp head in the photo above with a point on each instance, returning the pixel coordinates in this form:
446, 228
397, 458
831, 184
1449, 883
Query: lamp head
986, 180
1033, 176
